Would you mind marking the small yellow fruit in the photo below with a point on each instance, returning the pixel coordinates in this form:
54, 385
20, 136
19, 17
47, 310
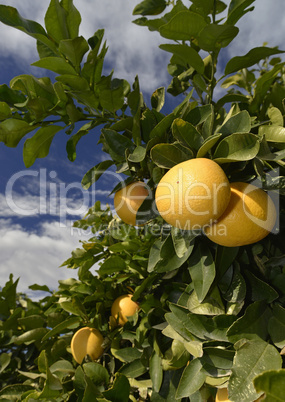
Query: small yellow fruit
86, 341
193, 194
222, 396
248, 218
128, 200
123, 307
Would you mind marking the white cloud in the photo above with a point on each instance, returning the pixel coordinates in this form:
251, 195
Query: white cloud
36, 258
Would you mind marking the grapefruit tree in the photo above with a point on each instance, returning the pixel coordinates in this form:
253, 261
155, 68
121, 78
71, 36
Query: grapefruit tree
206, 316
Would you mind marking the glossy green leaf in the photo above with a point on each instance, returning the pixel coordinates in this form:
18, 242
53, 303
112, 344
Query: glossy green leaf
14, 392
208, 144
73, 18
187, 134
30, 336
214, 328
252, 325
72, 143
252, 57
213, 37
167, 155
69, 323
112, 264
133, 369
120, 390
275, 116
185, 25
156, 373
5, 359
192, 379
137, 155
272, 383
11, 96
55, 21
211, 305
272, 133
38, 146
160, 129
260, 290
158, 99
55, 64
179, 321
117, 144
202, 270
95, 173
252, 358
238, 123
237, 9
199, 114
96, 372
189, 57
150, 7
182, 240
74, 49
237, 147
229, 98
5, 111
13, 130
10, 16
276, 326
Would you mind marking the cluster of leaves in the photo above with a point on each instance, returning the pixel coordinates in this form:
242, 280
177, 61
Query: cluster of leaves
209, 316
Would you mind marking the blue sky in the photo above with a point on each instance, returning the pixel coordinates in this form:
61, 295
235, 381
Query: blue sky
34, 245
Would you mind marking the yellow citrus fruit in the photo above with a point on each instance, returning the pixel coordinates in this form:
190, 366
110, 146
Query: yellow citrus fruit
192, 194
248, 218
122, 308
222, 396
128, 200
86, 341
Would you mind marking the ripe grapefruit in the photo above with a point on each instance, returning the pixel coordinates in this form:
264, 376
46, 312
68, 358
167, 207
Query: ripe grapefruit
86, 341
122, 308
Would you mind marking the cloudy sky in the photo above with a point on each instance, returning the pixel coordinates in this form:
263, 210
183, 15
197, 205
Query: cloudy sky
34, 242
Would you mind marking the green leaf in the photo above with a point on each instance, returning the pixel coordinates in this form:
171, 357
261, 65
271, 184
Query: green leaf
237, 147
181, 240
13, 130
72, 143
272, 133
11, 96
238, 123
96, 372
74, 50
214, 328
187, 134
56, 64
189, 57
252, 325
120, 390
211, 305
237, 9
192, 379
112, 99
276, 326
208, 144
73, 18
112, 264
275, 116
199, 114
252, 358
30, 336
38, 146
5, 359
213, 37
67, 324
224, 257
118, 144
5, 111
55, 21
202, 270
158, 98
272, 382
95, 173
261, 290
137, 155
133, 369
164, 124
252, 57
155, 371
185, 25
10, 16
150, 7
167, 155
231, 98
14, 392
127, 355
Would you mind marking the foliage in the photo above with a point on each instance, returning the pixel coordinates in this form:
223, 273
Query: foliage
209, 316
